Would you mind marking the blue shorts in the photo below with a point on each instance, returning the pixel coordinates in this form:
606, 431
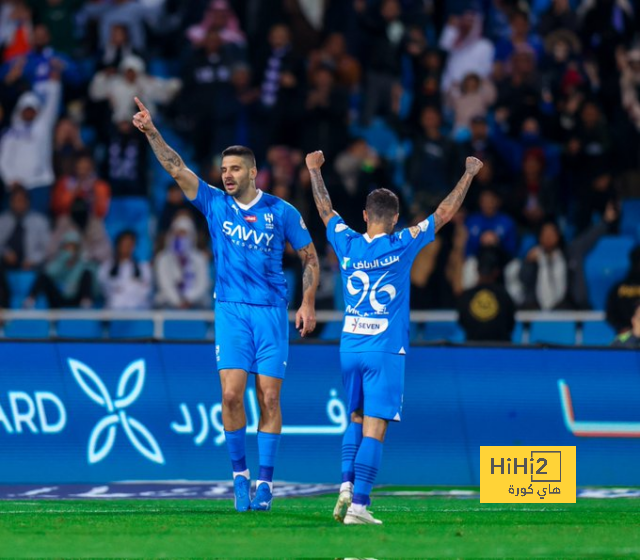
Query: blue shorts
374, 383
254, 338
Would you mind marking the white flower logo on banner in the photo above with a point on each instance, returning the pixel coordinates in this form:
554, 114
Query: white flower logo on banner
139, 436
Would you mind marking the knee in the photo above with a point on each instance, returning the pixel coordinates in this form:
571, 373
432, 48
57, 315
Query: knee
232, 398
270, 401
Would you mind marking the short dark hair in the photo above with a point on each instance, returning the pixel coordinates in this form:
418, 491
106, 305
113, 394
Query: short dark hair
382, 205
241, 151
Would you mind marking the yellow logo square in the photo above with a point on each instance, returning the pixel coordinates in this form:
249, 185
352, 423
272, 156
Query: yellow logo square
527, 474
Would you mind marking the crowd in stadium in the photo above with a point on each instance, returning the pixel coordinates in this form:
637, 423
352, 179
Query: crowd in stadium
397, 93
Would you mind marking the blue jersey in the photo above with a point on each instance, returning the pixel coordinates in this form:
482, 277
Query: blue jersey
376, 284
248, 242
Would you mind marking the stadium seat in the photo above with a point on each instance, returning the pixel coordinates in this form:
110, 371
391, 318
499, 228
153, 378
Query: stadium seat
131, 329
20, 282
630, 216
79, 328
27, 328
605, 265
331, 331
597, 333
527, 242
185, 330
518, 331
379, 136
449, 331
553, 332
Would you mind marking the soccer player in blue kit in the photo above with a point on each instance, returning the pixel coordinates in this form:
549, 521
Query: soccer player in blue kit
375, 270
249, 230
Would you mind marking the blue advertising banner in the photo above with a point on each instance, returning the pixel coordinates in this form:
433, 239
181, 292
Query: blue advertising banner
74, 412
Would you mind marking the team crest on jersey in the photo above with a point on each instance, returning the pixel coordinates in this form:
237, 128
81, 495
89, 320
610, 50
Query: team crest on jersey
268, 218
341, 227
414, 231
250, 218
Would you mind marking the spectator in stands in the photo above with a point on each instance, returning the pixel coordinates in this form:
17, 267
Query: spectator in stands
125, 282
26, 149
543, 273
467, 51
487, 312
220, 19
327, 107
559, 15
181, 270
630, 338
67, 146
472, 98
131, 81
621, 297
280, 76
427, 72
59, 16
333, 54
533, 198
15, 29
24, 234
175, 204
134, 15
80, 204
489, 218
117, 49
67, 280
125, 166
430, 167
85, 184
209, 107
387, 35
520, 36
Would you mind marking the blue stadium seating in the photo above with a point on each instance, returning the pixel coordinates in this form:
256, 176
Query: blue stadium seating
185, 330
379, 136
20, 282
449, 331
605, 265
597, 333
79, 328
131, 213
630, 216
553, 332
131, 329
516, 335
27, 328
331, 331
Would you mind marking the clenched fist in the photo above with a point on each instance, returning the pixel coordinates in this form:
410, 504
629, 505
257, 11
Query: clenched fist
142, 120
473, 165
314, 160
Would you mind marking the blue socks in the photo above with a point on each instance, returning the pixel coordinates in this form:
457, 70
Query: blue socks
367, 464
267, 451
236, 447
350, 443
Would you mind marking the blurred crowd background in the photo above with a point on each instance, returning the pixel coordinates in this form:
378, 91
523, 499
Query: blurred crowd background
397, 93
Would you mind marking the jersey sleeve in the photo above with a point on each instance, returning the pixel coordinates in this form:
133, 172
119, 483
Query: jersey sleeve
419, 236
295, 230
339, 235
207, 198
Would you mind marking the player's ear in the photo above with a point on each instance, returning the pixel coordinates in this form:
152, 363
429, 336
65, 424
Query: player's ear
364, 215
253, 172
395, 219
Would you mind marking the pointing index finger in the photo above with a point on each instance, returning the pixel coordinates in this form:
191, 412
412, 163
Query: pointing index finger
140, 105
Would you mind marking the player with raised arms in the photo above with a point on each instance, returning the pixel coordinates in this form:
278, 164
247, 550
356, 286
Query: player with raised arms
249, 230
375, 269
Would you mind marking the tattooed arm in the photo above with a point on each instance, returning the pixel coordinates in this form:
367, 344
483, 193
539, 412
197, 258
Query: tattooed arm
169, 159
306, 315
314, 162
450, 205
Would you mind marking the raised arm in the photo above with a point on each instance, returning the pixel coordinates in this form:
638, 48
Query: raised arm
451, 204
314, 162
306, 315
170, 160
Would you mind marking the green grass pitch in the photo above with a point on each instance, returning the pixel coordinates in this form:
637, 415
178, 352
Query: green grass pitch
303, 527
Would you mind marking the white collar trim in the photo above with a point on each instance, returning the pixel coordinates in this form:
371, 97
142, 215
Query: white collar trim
370, 239
252, 203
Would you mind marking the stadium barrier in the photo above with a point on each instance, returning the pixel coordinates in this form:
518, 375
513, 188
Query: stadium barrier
107, 324
102, 412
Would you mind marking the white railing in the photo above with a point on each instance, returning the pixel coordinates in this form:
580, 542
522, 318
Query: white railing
323, 316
